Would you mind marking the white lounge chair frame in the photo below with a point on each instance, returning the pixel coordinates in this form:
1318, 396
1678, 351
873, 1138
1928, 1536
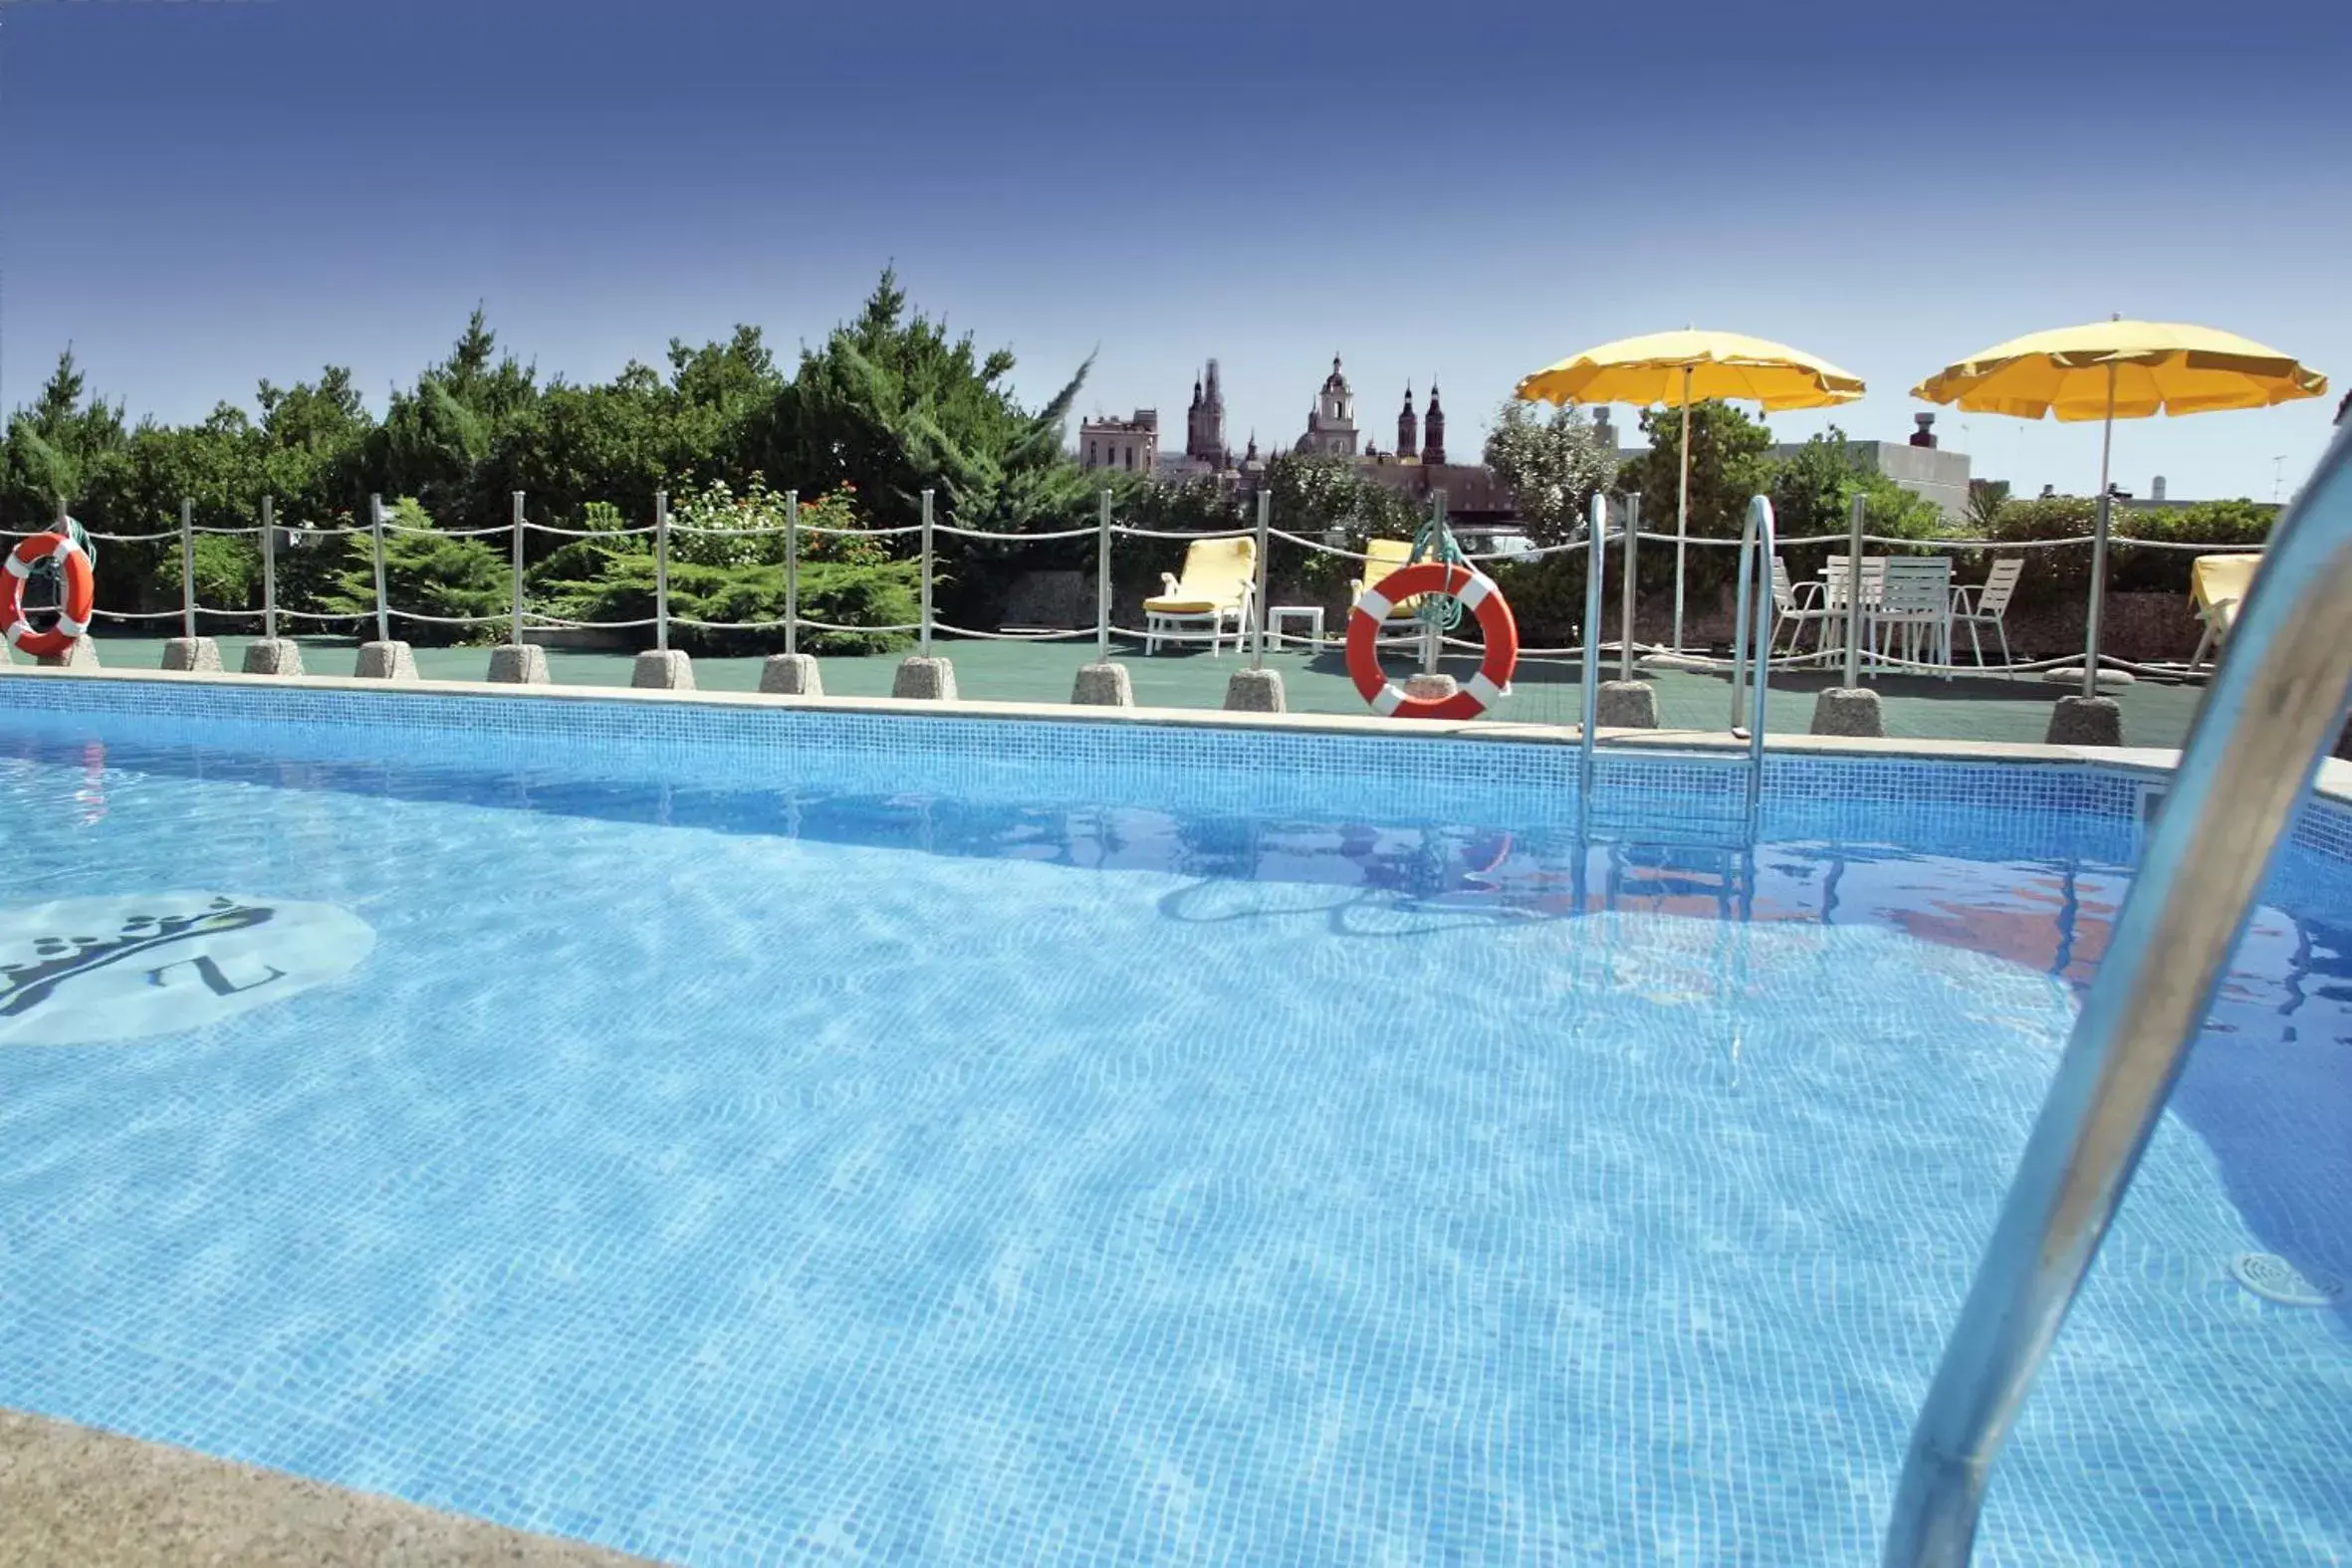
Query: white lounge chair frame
1987, 603
1170, 625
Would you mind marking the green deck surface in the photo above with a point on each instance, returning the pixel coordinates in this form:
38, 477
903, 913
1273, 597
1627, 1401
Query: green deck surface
1964, 708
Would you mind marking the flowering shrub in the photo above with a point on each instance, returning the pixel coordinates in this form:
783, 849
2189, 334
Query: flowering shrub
755, 521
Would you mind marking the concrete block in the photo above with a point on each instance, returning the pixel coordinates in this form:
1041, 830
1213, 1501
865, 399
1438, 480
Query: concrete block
790, 675
662, 670
80, 654
2086, 720
1626, 705
518, 666
1850, 709
1431, 688
1254, 691
932, 680
1104, 686
194, 654
387, 661
2071, 675
273, 656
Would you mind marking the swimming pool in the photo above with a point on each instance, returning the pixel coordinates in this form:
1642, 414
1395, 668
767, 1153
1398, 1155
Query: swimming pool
747, 1133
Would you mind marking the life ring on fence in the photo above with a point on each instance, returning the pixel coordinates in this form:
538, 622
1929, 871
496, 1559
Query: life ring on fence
73, 616
1478, 594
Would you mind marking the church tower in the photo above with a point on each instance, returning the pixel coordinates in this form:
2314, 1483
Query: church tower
1408, 439
1330, 423
1433, 449
1204, 426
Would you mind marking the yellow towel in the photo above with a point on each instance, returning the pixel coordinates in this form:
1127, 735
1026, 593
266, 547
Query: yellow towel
2218, 584
1385, 556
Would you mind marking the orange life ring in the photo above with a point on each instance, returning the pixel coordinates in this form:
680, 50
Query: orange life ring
1479, 595
73, 616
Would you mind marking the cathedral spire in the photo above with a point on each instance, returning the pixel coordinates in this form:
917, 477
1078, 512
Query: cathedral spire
1407, 427
1433, 426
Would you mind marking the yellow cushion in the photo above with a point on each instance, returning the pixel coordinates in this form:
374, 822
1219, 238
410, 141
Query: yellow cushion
1177, 606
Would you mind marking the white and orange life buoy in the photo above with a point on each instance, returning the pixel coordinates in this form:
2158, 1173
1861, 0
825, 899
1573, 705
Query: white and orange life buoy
73, 615
1478, 594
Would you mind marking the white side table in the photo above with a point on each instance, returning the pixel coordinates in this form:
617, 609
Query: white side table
1313, 614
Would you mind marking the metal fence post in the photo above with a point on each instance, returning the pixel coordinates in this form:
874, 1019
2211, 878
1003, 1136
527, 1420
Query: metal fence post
661, 570
1433, 631
269, 567
518, 497
383, 614
1854, 591
1102, 585
1626, 608
926, 648
187, 566
792, 570
1265, 519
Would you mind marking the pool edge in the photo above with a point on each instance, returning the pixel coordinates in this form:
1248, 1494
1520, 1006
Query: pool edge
2334, 780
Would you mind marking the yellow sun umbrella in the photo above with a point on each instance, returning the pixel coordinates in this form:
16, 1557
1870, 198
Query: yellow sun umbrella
1690, 367
2118, 369
1680, 368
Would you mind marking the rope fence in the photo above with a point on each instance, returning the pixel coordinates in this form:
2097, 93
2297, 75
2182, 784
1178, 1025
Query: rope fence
522, 618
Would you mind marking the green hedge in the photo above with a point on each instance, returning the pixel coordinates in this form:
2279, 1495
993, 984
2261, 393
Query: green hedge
883, 594
2061, 574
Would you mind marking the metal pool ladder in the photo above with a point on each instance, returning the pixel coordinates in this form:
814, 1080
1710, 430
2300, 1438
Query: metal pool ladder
1751, 635
2275, 702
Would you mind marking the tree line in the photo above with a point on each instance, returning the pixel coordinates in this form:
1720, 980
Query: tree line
887, 405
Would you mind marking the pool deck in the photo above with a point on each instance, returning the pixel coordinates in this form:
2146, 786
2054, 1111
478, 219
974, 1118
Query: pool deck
74, 1495
70, 1495
1545, 692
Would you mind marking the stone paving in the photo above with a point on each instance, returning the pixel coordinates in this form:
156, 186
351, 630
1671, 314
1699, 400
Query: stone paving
71, 1495
1964, 708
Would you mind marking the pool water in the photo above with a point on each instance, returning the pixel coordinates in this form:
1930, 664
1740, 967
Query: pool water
757, 1176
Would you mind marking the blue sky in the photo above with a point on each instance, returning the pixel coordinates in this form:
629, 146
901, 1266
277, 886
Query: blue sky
199, 195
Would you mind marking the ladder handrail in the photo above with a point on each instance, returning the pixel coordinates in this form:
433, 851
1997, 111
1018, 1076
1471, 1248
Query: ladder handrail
1596, 536
1757, 531
2275, 706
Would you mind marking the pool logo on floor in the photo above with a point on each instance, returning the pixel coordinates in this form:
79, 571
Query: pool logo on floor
93, 971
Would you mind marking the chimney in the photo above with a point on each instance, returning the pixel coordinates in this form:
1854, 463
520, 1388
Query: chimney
2156, 487
1924, 435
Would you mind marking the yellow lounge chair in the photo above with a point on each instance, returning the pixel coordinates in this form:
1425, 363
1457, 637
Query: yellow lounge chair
1219, 584
2217, 586
1382, 558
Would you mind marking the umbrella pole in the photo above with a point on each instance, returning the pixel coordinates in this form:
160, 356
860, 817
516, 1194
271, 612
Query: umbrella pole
1682, 509
2090, 652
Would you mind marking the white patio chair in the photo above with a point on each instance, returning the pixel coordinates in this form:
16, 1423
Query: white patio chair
1794, 605
1834, 576
1986, 604
1916, 601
